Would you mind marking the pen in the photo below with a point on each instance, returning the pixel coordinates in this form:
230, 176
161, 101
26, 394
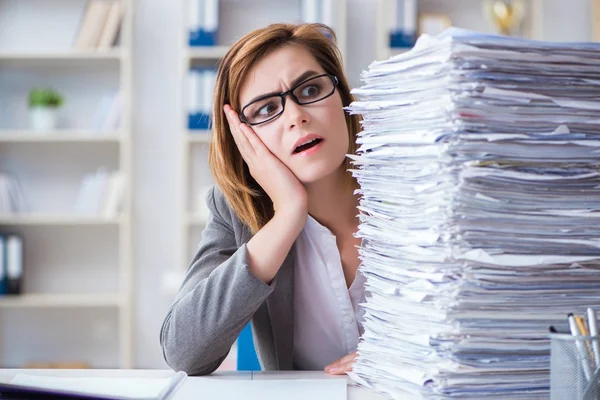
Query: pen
581, 326
593, 324
584, 360
583, 331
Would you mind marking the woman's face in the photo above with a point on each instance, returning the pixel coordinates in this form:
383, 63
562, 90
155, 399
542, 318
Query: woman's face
323, 122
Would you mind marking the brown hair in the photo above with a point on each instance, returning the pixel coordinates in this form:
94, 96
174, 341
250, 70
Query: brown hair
248, 200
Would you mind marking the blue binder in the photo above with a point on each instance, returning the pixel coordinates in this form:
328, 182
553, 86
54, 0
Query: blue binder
246, 354
3, 265
199, 121
204, 22
402, 39
201, 82
201, 37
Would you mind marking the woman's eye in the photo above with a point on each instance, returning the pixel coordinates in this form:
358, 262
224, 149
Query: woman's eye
311, 91
265, 110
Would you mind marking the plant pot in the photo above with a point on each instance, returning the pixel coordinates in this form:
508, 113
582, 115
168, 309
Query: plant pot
43, 118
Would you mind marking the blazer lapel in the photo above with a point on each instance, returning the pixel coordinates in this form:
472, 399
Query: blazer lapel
280, 304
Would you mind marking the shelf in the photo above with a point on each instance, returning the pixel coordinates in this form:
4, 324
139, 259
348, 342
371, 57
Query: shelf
207, 52
60, 300
60, 136
65, 219
69, 55
199, 136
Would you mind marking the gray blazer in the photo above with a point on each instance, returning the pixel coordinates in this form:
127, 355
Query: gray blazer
219, 296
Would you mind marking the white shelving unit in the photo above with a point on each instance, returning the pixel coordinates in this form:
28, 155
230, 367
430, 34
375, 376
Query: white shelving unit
59, 220
466, 14
78, 273
62, 136
79, 55
543, 20
62, 301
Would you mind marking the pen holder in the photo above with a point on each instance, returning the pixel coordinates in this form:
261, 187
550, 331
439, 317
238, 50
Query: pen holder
574, 374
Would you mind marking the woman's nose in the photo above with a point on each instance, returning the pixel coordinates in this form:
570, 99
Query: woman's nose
295, 114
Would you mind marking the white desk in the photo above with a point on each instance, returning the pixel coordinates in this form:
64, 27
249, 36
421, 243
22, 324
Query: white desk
192, 386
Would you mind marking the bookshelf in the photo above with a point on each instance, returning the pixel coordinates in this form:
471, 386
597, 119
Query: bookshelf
56, 220
206, 52
542, 20
61, 301
60, 136
76, 302
466, 14
79, 55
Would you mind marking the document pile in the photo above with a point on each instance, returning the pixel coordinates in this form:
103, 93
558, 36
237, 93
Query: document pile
479, 173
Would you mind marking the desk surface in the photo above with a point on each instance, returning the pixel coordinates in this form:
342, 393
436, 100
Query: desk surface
191, 386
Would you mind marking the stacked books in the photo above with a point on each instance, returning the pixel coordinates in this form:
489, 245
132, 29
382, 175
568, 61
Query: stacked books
100, 24
479, 179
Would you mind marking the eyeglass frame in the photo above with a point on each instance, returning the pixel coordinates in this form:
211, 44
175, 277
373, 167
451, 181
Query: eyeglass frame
289, 92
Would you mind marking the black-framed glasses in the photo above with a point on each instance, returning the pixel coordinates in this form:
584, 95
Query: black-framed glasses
267, 108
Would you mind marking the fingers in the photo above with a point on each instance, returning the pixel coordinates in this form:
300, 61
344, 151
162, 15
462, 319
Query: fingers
257, 145
238, 136
245, 138
342, 365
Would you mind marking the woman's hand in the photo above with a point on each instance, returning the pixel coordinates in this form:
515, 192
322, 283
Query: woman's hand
282, 186
342, 365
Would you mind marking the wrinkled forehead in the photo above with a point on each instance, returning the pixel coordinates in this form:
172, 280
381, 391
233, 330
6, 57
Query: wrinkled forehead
276, 72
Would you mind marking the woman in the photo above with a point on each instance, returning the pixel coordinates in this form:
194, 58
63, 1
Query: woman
279, 247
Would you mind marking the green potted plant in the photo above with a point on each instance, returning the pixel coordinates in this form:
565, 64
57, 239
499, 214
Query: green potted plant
43, 109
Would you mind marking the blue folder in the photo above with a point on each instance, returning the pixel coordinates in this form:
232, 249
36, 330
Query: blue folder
246, 355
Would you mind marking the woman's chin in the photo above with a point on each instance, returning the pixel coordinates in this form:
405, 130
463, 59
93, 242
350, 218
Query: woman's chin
314, 175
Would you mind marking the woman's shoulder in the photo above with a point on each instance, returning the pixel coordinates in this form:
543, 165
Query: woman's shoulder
216, 198
217, 202
219, 206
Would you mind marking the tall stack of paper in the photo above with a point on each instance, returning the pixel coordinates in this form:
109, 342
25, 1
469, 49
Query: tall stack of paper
480, 212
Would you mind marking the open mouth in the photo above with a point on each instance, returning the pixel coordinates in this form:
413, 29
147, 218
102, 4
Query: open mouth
305, 146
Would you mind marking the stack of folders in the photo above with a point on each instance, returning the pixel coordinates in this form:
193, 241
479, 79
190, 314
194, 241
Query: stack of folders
479, 179
403, 23
203, 19
11, 264
201, 87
